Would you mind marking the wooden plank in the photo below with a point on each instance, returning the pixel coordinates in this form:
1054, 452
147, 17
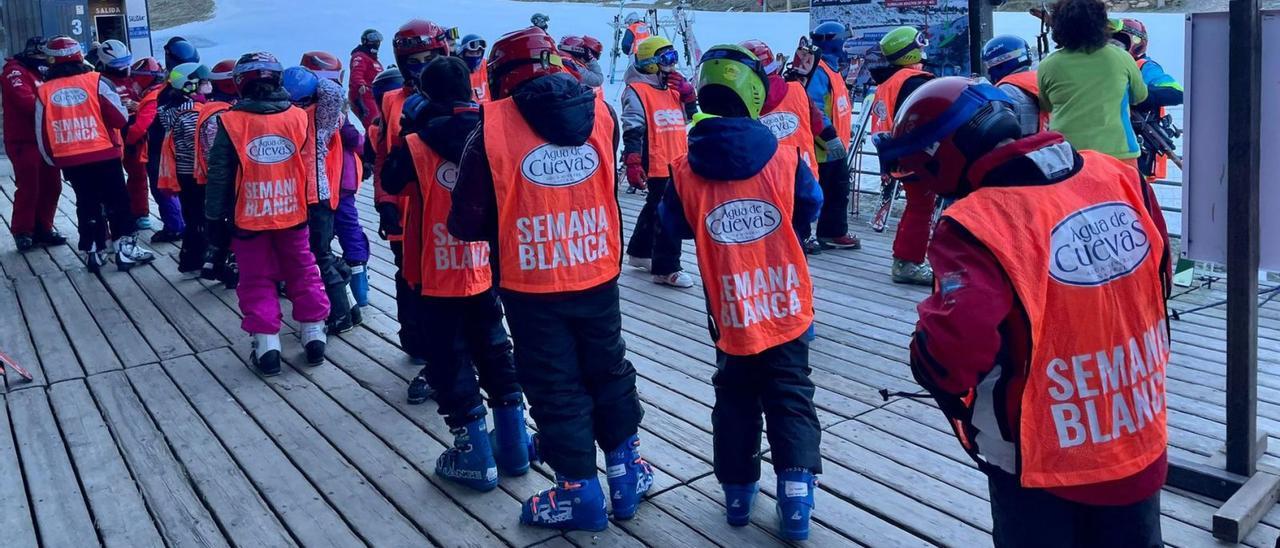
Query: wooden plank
303, 508
703, 515
194, 328
16, 341
369, 513
90, 345
175, 506
764, 515
131, 348
15, 513
119, 511
62, 517
244, 517
154, 327
56, 357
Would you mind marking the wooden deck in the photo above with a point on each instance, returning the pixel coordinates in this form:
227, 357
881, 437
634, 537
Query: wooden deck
144, 426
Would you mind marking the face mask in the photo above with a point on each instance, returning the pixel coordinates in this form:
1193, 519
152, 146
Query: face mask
205, 88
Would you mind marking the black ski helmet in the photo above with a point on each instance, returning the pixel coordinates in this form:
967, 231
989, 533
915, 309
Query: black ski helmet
371, 38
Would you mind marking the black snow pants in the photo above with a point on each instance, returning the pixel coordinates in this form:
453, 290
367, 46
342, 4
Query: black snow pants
101, 202
333, 272
648, 240
463, 337
1035, 517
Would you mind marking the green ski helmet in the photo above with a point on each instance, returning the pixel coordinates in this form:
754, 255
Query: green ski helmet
187, 76
904, 46
731, 72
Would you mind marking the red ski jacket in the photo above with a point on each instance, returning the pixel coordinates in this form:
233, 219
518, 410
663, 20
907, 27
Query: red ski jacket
18, 92
364, 68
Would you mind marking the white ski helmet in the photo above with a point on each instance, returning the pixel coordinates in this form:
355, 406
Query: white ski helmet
114, 54
632, 18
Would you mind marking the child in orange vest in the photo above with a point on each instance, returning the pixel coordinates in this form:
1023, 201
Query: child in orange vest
743, 198
261, 167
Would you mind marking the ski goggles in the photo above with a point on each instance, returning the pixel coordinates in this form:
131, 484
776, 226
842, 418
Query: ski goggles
372, 37
920, 44
927, 136
452, 34
121, 63
664, 58
474, 46
245, 68
1014, 55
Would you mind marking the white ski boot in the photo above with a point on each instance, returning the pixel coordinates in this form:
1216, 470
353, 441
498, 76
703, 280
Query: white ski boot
265, 356
129, 253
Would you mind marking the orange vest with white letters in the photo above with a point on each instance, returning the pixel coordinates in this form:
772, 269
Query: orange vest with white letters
450, 267
886, 103
1084, 257
666, 136
639, 33
480, 85
840, 111
1026, 81
559, 226
757, 279
790, 123
207, 111
277, 163
332, 165
73, 123
392, 110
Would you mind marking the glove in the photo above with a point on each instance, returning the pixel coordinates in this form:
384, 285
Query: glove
835, 150
678, 82
636, 176
413, 107
388, 220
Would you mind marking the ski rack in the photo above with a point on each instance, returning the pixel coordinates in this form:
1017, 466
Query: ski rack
678, 28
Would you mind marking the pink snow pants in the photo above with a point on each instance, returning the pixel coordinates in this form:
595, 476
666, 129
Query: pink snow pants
278, 256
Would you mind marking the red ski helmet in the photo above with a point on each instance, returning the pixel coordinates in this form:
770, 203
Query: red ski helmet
63, 49
593, 46
764, 53
573, 45
942, 128
324, 64
418, 36
221, 76
1134, 34
147, 72
520, 56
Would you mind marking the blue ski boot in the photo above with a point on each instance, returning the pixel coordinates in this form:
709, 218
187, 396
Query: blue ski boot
470, 460
738, 498
795, 503
629, 478
512, 448
359, 284
572, 505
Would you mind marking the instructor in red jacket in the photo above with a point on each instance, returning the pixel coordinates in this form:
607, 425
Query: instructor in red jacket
364, 68
39, 184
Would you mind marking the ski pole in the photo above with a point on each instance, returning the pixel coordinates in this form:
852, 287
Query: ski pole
6, 361
886, 394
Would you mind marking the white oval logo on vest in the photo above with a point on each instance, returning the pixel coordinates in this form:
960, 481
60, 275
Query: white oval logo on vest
270, 149
782, 124
447, 175
1098, 244
69, 97
743, 221
559, 166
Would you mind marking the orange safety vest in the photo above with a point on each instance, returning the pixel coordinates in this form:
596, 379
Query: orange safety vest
559, 226
168, 179
887, 101
665, 133
207, 111
73, 123
1026, 81
450, 267
757, 279
332, 165
1160, 169
639, 33
839, 109
392, 110
1093, 409
143, 146
277, 163
790, 123
480, 85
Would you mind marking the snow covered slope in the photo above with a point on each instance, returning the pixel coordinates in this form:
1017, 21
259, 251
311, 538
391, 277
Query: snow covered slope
290, 27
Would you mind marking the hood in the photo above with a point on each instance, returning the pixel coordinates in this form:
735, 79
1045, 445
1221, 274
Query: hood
1040, 159
634, 76
558, 107
276, 101
777, 92
730, 149
447, 135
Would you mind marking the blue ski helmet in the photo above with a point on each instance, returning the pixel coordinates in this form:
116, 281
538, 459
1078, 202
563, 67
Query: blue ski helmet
178, 52
829, 37
301, 84
1005, 55
386, 81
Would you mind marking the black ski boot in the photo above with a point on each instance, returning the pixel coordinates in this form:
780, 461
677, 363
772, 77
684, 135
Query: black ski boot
52, 238
313, 340
419, 390
265, 356
24, 242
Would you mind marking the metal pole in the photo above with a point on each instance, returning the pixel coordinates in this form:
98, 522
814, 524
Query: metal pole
980, 26
1244, 79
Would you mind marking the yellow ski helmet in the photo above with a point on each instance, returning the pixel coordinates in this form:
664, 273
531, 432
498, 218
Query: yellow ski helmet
655, 52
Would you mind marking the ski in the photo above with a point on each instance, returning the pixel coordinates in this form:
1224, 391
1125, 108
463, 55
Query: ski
8, 362
684, 27
854, 159
889, 187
